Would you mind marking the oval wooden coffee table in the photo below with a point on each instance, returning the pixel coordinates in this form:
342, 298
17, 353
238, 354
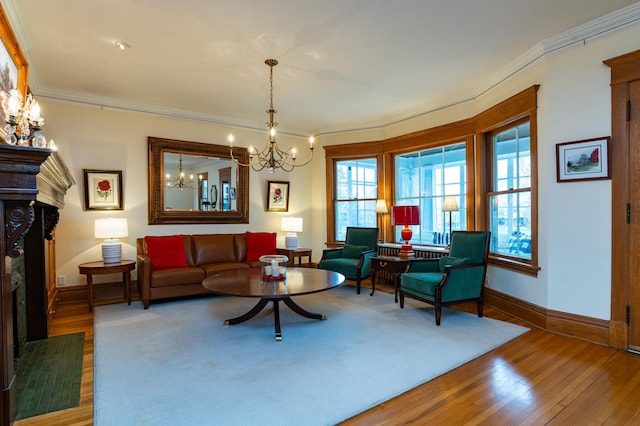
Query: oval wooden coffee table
249, 283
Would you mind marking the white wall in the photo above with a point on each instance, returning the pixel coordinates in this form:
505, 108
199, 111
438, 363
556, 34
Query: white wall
574, 103
574, 218
95, 138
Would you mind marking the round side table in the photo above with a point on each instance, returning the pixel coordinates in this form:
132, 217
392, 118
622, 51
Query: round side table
100, 268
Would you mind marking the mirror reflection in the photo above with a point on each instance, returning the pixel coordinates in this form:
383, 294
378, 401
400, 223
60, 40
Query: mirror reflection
191, 182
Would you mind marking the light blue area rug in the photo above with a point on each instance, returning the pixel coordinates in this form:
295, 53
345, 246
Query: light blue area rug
176, 364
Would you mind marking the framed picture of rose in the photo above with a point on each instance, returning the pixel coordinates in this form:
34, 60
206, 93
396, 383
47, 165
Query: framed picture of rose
277, 196
103, 189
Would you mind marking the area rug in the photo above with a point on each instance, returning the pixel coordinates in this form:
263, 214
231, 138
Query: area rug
176, 364
49, 375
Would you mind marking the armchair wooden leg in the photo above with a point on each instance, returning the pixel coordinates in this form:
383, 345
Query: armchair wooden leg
358, 285
480, 308
438, 312
401, 300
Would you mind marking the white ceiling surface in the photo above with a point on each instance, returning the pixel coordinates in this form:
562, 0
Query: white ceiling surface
344, 64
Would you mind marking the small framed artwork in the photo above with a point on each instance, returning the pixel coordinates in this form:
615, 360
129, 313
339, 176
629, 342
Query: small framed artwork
586, 159
277, 196
232, 193
103, 189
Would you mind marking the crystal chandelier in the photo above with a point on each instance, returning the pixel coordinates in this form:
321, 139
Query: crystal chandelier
179, 182
271, 157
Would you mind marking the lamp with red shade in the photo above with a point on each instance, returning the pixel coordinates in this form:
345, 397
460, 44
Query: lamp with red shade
405, 215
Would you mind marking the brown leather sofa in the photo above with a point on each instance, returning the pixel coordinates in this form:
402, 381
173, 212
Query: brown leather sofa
204, 254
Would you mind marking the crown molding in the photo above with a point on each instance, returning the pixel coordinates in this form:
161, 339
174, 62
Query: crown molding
575, 37
606, 24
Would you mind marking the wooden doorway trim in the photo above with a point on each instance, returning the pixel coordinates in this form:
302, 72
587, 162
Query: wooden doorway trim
624, 69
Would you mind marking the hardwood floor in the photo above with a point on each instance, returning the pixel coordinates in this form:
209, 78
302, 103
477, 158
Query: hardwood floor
536, 379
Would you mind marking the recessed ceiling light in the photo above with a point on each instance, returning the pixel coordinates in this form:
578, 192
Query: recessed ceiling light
122, 45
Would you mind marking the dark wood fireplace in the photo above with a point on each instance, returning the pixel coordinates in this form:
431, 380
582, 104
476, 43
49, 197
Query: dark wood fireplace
33, 182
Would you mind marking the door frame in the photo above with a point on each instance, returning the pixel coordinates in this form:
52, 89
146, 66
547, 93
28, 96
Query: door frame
624, 68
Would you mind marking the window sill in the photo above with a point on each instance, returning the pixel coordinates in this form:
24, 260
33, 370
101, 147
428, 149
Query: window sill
514, 265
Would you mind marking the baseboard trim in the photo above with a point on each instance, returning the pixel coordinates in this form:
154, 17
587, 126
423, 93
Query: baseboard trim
581, 327
79, 293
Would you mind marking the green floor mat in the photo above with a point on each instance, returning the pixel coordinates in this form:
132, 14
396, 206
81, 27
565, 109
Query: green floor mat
49, 375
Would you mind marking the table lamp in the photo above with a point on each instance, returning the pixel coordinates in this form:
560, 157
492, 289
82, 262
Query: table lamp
405, 215
381, 208
291, 225
111, 229
450, 205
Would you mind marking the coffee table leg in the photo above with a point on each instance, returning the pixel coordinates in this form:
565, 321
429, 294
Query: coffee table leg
298, 310
252, 313
276, 318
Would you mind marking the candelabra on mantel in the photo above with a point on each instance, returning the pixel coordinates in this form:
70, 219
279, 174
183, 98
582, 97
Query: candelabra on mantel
23, 121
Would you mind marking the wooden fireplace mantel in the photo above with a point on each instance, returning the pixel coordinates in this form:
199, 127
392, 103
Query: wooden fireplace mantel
19, 167
33, 182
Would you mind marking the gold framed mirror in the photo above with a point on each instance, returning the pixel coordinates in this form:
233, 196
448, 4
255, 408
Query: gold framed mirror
193, 182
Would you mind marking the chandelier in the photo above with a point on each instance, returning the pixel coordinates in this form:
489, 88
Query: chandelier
271, 157
180, 182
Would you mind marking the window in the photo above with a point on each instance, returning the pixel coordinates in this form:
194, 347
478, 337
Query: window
487, 162
509, 197
423, 178
356, 192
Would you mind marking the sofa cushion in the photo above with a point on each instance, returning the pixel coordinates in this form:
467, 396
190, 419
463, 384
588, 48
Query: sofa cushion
351, 251
166, 252
259, 244
222, 266
169, 277
213, 248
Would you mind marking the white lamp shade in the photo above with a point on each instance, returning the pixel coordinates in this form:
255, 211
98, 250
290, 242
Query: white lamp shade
291, 224
111, 228
450, 204
381, 207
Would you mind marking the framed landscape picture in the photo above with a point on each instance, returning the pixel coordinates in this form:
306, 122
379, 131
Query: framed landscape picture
277, 196
103, 189
586, 159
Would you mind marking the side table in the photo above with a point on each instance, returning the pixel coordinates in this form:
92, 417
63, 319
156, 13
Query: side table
394, 265
100, 268
293, 254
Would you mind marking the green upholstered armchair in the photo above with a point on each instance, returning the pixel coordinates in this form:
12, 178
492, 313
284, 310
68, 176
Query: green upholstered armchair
456, 278
353, 260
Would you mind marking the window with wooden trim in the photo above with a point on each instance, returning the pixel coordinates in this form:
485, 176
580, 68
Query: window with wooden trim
423, 178
356, 192
509, 195
493, 174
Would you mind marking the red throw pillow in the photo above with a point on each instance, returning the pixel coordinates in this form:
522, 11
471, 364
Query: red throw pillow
259, 244
166, 252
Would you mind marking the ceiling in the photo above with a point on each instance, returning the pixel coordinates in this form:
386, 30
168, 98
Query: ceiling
344, 64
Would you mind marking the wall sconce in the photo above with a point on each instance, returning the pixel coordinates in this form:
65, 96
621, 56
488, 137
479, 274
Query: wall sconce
111, 229
405, 215
291, 225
